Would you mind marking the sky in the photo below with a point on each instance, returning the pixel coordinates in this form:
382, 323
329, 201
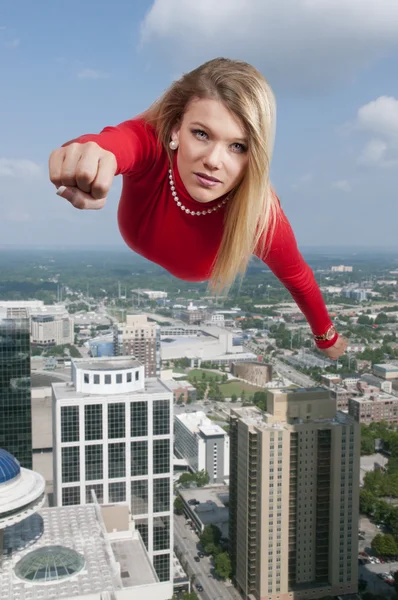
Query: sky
73, 67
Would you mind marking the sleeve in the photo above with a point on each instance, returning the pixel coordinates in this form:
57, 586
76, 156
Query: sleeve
134, 144
286, 262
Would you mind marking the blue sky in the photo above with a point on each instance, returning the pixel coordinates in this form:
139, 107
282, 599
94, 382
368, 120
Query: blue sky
73, 67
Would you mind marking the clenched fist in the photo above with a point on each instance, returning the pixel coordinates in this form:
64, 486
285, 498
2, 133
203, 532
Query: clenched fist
83, 174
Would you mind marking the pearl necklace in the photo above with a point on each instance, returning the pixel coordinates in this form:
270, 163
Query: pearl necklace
187, 210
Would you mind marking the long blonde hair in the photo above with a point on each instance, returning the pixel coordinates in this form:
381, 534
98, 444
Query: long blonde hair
251, 209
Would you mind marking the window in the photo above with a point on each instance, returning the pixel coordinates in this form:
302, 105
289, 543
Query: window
96, 379
70, 464
142, 527
129, 378
94, 462
161, 494
69, 424
161, 533
117, 491
161, 417
70, 496
139, 497
99, 492
137, 375
116, 460
161, 456
93, 422
161, 563
139, 458
119, 378
108, 379
86, 378
139, 419
116, 420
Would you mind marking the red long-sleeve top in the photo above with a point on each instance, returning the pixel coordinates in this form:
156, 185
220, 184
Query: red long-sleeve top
154, 226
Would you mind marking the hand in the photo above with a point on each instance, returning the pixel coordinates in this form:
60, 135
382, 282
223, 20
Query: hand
83, 174
338, 348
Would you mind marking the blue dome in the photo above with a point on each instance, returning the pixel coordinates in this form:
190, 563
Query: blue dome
9, 466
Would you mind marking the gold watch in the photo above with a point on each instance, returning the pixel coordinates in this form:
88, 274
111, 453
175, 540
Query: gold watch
326, 337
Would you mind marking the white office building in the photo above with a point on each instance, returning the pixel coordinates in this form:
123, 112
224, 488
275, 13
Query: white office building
203, 444
112, 431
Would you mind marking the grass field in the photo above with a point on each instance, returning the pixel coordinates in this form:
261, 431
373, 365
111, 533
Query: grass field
236, 387
198, 374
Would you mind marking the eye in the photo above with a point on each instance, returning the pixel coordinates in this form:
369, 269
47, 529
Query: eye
240, 148
200, 134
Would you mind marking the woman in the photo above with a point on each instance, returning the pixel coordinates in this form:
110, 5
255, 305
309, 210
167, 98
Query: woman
196, 195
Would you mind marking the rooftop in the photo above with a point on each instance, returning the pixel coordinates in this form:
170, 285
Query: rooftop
67, 391
78, 536
198, 422
386, 367
107, 364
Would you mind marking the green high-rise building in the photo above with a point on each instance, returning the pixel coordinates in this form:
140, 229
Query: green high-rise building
15, 395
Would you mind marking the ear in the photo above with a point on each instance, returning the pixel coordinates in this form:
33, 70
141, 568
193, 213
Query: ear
175, 132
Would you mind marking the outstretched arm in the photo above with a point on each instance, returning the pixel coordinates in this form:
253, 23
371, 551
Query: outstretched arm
284, 259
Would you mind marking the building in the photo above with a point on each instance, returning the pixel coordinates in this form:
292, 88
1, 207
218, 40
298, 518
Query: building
150, 294
341, 269
15, 403
374, 408
140, 339
194, 315
255, 372
183, 391
330, 380
207, 506
112, 433
294, 497
71, 552
51, 330
386, 371
50, 325
203, 444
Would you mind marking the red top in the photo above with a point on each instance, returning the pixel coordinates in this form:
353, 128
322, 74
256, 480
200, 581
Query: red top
154, 226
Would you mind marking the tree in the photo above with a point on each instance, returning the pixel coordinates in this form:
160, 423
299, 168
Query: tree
362, 585
202, 478
234, 398
178, 506
223, 565
243, 395
384, 545
366, 502
381, 319
367, 445
210, 535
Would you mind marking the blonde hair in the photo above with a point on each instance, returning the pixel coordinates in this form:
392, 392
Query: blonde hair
251, 209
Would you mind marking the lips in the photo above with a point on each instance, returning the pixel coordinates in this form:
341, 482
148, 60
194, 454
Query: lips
208, 177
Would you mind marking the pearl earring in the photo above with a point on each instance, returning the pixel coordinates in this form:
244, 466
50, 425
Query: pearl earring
173, 145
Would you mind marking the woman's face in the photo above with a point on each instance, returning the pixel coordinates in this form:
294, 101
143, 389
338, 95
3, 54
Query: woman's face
212, 149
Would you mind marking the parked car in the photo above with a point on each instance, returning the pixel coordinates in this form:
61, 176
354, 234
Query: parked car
196, 558
199, 587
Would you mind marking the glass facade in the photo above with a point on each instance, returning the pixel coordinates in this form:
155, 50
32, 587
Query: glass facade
161, 456
139, 419
69, 423
94, 462
161, 417
161, 533
116, 420
161, 495
161, 562
139, 458
15, 402
93, 422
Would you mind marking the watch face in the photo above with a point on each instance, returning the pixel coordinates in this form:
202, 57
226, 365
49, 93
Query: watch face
330, 333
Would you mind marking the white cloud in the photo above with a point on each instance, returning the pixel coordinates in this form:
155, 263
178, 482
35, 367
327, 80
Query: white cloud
342, 185
19, 168
379, 120
295, 43
302, 180
91, 74
12, 44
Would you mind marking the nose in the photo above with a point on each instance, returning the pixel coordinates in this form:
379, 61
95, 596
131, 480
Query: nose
213, 157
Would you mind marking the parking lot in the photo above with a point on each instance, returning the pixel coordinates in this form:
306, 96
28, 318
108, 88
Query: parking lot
369, 571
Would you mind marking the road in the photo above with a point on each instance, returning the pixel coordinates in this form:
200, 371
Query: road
290, 373
187, 541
